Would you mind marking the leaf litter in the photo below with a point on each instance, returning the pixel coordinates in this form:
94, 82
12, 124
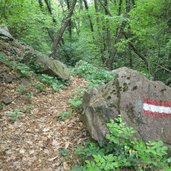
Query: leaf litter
32, 143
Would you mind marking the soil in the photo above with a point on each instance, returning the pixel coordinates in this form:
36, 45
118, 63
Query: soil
33, 141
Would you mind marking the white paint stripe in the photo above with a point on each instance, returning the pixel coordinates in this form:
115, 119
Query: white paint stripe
159, 109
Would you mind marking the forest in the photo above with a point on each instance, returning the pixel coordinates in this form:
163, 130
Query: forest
105, 33
40, 113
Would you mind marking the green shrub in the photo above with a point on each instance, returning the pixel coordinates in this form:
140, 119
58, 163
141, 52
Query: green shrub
75, 103
21, 89
26, 71
51, 81
64, 115
39, 86
14, 115
23, 69
76, 100
78, 168
121, 150
93, 74
63, 152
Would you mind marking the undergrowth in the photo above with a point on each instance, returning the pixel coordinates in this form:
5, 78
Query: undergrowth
25, 71
120, 151
14, 115
64, 115
51, 81
91, 73
76, 100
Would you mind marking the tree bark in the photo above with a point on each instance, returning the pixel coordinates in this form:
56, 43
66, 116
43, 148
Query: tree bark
47, 2
62, 30
100, 41
70, 22
118, 35
137, 52
89, 17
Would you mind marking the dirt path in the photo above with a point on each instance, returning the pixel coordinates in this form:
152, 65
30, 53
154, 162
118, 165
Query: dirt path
33, 142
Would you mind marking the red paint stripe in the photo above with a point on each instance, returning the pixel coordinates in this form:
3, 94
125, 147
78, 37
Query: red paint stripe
156, 114
157, 103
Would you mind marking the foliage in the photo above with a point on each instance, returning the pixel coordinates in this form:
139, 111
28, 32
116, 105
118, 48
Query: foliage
63, 152
27, 22
23, 69
26, 71
121, 150
96, 34
14, 115
149, 22
51, 81
82, 48
24, 91
21, 89
93, 74
75, 103
78, 168
64, 115
87, 149
39, 86
143, 23
76, 100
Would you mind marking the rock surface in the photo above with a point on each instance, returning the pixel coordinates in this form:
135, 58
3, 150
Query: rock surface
19, 51
4, 33
44, 64
128, 94
6, 100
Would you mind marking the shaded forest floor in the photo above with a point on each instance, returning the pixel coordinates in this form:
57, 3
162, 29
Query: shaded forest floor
33, 141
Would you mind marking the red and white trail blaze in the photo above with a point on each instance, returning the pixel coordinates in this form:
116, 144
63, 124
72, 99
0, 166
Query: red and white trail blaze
157, 108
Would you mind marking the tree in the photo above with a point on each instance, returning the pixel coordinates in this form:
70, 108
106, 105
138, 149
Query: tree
62, 29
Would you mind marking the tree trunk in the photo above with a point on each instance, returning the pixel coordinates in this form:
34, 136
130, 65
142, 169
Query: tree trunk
89, 17
47, 2
100, 34
118, 35
70, 22
62, 29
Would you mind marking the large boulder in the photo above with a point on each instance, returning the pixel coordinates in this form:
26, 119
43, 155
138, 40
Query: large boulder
144, 105
44, 64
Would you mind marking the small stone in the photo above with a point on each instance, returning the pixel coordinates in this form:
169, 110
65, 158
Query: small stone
6, 100
46, 151
10, 78
45, 129
55, 143
22, 151
31, 152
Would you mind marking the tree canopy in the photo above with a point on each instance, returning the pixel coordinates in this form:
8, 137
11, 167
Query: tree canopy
108, 33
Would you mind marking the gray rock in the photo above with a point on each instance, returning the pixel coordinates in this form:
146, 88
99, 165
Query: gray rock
4, 33
44, 64
10, 78
127, 94
6, 100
